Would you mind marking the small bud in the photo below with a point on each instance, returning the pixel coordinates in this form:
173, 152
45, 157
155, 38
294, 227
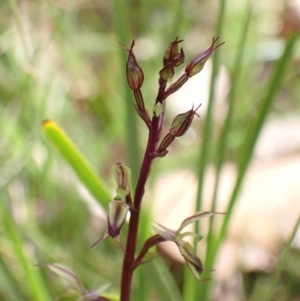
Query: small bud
197, 63
122, 176
117, 212
135, 75
172, 51
182, 122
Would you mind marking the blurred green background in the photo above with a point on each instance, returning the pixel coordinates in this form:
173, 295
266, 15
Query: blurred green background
61, 60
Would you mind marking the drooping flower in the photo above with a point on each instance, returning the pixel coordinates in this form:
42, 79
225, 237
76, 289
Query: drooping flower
119, 207
177, 236
117, 213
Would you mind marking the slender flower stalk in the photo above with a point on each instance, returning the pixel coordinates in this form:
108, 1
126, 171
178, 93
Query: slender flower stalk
128, 263
173, 57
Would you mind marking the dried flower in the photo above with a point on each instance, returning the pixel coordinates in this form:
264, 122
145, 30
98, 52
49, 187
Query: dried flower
197, 63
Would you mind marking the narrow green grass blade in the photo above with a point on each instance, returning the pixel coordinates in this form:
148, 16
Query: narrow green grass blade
275, 278
189, 285
177, 19
34, 283
8, 287
164, 282
203, 151
223, 138
77, 161
251, 137
194, 289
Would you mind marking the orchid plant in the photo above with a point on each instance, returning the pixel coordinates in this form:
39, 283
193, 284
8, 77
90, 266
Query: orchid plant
123, 203
126, 200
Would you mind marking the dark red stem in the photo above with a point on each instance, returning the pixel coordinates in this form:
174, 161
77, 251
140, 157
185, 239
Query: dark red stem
128, 262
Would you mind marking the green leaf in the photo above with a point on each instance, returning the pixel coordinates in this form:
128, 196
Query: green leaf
69, 152
32, 278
